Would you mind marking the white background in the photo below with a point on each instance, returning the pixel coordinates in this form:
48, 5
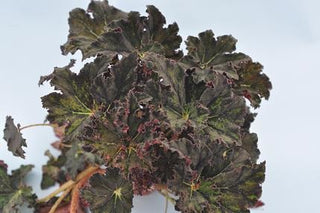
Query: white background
282, 35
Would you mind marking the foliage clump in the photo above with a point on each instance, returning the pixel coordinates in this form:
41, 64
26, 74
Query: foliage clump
143, 116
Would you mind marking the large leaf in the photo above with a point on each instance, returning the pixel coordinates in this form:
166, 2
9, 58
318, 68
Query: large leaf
207, 54
75, 105
140, 33
14, 138
211, 108
238, 195
109, 193
173, 90
85, 30
13, 192
229, 183
225, 112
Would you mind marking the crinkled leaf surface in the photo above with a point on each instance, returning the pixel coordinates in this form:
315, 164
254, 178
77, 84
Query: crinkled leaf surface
225, 112
75, 105
167, 165
156, 33
125, 127
134, 120
225, 158
197, 150
104, 141
14, 138
140, 33
252, 83
186, 98
157, 117
250, 144
85, 30
115, 81
213, 162
109, 193
232, 191
13, 192
142, 181
209, 54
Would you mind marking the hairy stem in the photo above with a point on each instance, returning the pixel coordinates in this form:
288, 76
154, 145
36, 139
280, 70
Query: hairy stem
80, 183
70, 184
88, 171
34, 125
60, 199
167, 198
74, 199
65, 186
165, 193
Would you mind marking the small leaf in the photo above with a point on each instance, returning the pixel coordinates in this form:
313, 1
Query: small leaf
252, 83
18, 175
14, 138
52, 172
16, 199
78, 159
250, 144
109, 193
13, 193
